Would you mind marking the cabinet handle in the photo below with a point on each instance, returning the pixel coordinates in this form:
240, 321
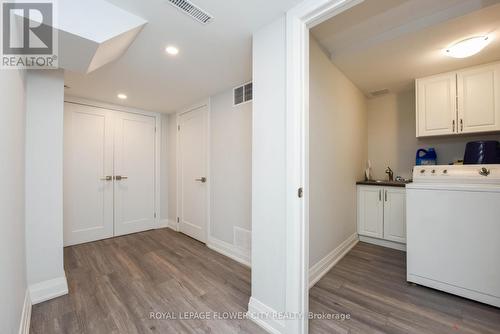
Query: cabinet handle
386, 195
461, 125
453, 125
380, 195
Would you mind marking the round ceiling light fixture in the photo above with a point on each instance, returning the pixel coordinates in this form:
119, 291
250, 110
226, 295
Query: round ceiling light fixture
172, 50
468, 47
122, 96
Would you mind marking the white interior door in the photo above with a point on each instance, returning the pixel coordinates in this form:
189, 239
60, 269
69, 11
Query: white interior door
88, 160
134, 175
193, 183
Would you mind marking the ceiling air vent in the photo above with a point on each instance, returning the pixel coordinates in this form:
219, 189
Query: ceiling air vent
379, 92
192, 10
243, 94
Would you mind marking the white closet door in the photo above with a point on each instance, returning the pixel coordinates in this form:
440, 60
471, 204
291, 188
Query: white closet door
134, 173
193, 173
88, 160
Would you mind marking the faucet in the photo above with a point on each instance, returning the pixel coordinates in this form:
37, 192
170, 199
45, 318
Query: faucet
390, 173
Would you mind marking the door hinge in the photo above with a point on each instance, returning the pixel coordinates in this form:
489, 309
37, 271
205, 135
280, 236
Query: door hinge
300, 192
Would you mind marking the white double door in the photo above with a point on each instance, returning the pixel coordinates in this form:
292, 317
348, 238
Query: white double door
109, 173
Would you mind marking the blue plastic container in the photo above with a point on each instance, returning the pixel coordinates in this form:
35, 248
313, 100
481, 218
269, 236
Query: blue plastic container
426, 157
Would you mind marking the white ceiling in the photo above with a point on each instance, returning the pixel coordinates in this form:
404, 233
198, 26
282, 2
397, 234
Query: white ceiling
212, 58
386, 44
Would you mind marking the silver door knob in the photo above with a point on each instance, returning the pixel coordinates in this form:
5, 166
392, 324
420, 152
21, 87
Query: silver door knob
119, 177
201, 179
107, 178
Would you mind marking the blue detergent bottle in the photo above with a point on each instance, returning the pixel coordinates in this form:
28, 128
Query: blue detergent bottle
426, 157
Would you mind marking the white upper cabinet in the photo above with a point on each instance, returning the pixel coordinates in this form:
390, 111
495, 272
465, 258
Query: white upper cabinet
465, 101
436, 105
479, 99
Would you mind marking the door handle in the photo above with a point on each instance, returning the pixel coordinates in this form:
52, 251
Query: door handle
107, 178
201, 179
119, 177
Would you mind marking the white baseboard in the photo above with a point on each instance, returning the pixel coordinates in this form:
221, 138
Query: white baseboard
163, 223
321, 268
383, 243
265, 317
172, 224
240, 255
47, 290
168, 223
24, 326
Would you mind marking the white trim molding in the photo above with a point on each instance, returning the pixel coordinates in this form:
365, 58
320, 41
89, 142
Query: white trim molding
266, 317
172, 224
24, 326
231, 251
47, 290
383, 243
169, 223
324, 265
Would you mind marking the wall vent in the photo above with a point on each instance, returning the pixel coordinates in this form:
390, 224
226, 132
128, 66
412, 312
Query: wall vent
243, 94
192, 10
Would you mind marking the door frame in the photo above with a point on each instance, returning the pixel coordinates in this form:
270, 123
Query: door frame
157, 117
299, 20
204, 103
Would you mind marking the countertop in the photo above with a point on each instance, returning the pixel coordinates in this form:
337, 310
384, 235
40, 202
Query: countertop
382, 183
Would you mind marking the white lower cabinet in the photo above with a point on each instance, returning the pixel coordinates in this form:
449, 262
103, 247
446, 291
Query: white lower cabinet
382, 213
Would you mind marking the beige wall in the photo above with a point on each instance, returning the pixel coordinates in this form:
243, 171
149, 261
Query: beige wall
392, 140
338, 151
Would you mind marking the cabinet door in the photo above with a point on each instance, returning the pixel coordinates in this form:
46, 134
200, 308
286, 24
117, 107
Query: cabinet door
479, 99
395, 214
436, 105
370, 211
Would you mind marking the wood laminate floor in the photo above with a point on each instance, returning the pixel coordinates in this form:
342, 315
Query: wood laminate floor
114, 284
369, 283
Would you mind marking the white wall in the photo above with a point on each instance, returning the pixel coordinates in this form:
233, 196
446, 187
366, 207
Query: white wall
12, 238
337, 154
269, 167
392, 140
44, 182
230, 167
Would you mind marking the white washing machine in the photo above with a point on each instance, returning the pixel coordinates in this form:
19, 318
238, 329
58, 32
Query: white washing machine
453, 230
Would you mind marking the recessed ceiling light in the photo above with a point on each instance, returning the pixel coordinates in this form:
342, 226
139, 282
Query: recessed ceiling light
122, 96
172, 50
468, 47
